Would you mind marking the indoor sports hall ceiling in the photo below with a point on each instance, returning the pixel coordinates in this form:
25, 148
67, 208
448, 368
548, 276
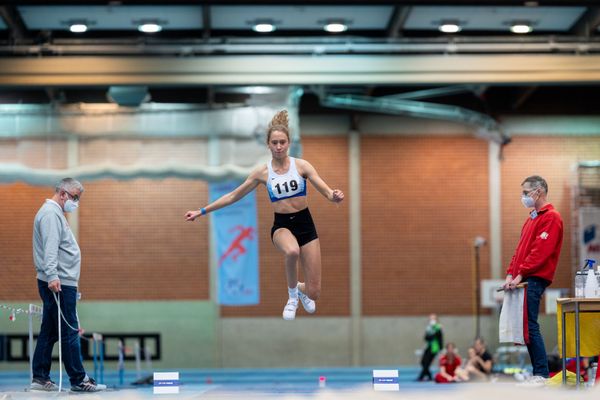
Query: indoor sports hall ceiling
202, 29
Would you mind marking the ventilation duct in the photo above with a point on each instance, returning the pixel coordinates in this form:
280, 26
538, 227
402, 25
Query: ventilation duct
128, 96
487, 127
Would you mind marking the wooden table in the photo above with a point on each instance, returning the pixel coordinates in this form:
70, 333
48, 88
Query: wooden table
576, 306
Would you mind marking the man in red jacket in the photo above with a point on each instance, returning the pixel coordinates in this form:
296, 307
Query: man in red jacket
535, 262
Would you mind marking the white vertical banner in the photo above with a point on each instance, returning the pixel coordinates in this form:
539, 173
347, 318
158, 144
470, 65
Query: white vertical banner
589, 234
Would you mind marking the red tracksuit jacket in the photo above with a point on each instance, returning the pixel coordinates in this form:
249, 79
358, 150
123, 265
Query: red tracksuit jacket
539, 247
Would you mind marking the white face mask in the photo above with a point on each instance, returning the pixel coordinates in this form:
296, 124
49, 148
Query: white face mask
527, 201
71, 205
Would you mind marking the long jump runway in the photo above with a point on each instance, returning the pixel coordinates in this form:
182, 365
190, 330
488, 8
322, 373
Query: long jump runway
304, 383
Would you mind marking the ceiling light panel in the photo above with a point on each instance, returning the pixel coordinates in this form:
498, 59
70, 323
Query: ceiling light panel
301, 17
521, 27
264, 27
78, 27
111, 17
485, 18
449, 26
336, 26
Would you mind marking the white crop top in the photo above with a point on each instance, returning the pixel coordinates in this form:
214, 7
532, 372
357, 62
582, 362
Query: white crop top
285, 186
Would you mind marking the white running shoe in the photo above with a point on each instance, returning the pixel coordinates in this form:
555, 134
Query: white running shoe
534, 382
88, 385
522, 376
289, 311
43, 386
309, 305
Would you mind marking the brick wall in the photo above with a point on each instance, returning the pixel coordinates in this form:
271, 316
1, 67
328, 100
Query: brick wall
20, 203
134, 240
424, 199
136, 244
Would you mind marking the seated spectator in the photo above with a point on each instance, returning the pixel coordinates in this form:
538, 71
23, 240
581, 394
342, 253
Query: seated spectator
449, 363
479, 365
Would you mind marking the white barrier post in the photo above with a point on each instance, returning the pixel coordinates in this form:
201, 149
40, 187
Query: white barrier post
148, 359
37, 310
98, 358
30, 346
121, 363
138, 359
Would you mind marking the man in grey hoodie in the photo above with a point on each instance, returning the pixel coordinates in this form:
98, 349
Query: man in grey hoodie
57, 260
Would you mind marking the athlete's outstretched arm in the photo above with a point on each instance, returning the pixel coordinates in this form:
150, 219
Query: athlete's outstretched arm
238, 193
334, 195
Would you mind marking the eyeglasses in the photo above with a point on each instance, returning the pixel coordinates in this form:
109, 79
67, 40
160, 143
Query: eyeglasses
527, 192
74, 197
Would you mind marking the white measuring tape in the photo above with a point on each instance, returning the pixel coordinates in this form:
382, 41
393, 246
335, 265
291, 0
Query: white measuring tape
61, 315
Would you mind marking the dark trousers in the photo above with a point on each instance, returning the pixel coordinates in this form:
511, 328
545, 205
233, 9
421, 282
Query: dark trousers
71, 350
536, 346
426, 361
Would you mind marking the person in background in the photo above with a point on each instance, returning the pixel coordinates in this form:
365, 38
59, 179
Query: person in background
435, 342
480, 362
449, 364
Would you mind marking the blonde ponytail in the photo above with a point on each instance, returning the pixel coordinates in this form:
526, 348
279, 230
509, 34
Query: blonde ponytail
280, 122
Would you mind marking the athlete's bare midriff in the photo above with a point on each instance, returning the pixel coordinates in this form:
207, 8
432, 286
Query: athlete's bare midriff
288, 206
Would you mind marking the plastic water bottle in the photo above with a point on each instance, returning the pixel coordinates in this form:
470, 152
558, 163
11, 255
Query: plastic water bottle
591, 283
592, 370
580, 278
322, 381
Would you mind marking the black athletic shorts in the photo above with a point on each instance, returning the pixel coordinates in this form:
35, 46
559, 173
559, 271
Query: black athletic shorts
299, 223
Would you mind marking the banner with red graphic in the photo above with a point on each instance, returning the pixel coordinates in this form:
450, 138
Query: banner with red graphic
236, 237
